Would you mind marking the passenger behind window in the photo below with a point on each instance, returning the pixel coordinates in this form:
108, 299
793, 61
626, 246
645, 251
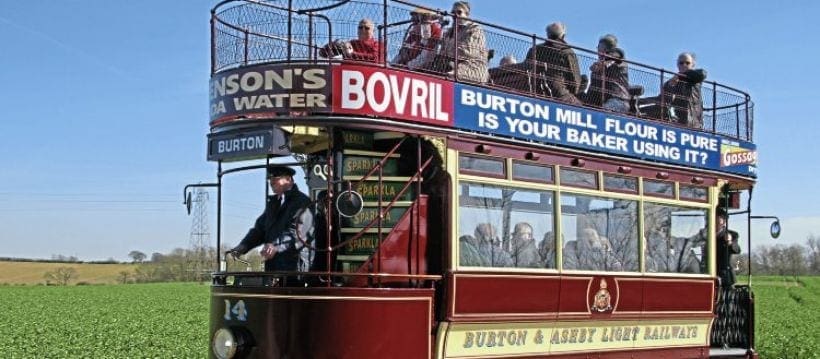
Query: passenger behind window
466, 40
489, 246
546, 250
469, 254
363, 48
558, 64
523, 250
590, 252
609, 83
420, 40
668, 254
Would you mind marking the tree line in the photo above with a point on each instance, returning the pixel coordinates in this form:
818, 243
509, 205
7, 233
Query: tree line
181, 265
196, 264
784, 260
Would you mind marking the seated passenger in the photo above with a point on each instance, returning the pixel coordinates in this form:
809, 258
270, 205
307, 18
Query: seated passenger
508, 60
522, 247
668, 254
609, 80
364, 48
469, 48
591, 252
468, 253
546, 250
557, 62
420, 40
489, 246
509, 75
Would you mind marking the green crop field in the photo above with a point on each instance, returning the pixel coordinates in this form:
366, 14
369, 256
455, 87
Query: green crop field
171, 320
788, 317
112, 321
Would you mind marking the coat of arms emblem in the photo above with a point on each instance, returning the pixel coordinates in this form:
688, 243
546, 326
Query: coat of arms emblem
602, 301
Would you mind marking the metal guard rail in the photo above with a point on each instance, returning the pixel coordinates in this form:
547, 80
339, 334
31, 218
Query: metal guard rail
249, 32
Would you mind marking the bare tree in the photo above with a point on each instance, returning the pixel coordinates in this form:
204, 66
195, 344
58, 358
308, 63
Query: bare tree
124, 276
795, 260
813, 254
61, 275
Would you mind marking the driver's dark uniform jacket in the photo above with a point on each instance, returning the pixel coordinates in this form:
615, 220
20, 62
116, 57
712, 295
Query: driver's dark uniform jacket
274, 226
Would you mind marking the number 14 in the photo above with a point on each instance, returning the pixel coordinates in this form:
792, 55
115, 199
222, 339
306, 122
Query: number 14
238, 310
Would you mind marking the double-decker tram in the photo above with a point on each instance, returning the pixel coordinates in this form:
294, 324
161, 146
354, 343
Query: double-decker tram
464, 207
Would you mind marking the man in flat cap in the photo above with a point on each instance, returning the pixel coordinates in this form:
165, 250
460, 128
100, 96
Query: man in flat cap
272, 228
726, 247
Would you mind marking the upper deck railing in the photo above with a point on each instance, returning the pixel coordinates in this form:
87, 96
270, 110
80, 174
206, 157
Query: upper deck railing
249, 32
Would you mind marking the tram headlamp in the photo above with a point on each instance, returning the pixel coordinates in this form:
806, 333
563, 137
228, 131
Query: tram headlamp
224, 344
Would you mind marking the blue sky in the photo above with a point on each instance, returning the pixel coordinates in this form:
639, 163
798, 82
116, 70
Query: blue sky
105, 109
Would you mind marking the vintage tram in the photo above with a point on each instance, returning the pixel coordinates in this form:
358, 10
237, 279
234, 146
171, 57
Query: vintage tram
464, 218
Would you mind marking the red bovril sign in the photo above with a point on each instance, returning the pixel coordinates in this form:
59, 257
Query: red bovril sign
369, 91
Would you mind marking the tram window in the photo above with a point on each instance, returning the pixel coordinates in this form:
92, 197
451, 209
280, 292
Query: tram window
492, 167
659, 188
620, 184
696, 193
675, 239
505, 227
578, 178
599, 234
532, 172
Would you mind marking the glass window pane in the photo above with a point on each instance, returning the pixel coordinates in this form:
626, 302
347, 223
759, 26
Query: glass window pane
526, 171
693, 192
494, 166
505, 227
618, 183
599, 234
659, 188
676, 239
578, 178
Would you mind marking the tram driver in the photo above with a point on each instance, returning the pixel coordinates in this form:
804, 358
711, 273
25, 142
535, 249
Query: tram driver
272, 228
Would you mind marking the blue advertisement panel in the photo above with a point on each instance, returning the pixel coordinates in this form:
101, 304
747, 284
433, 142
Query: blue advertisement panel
526, 118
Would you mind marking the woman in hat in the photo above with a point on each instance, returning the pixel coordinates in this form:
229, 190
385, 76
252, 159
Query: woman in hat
420, 40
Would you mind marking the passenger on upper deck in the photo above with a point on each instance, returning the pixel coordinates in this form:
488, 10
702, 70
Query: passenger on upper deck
682, 93
465, 42
559, 64
364, 48
609, 84
420, 40
508, 60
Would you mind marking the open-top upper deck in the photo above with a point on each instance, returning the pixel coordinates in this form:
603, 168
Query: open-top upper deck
267, 63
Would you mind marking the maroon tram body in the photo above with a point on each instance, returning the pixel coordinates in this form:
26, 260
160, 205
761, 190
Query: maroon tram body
421, 245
